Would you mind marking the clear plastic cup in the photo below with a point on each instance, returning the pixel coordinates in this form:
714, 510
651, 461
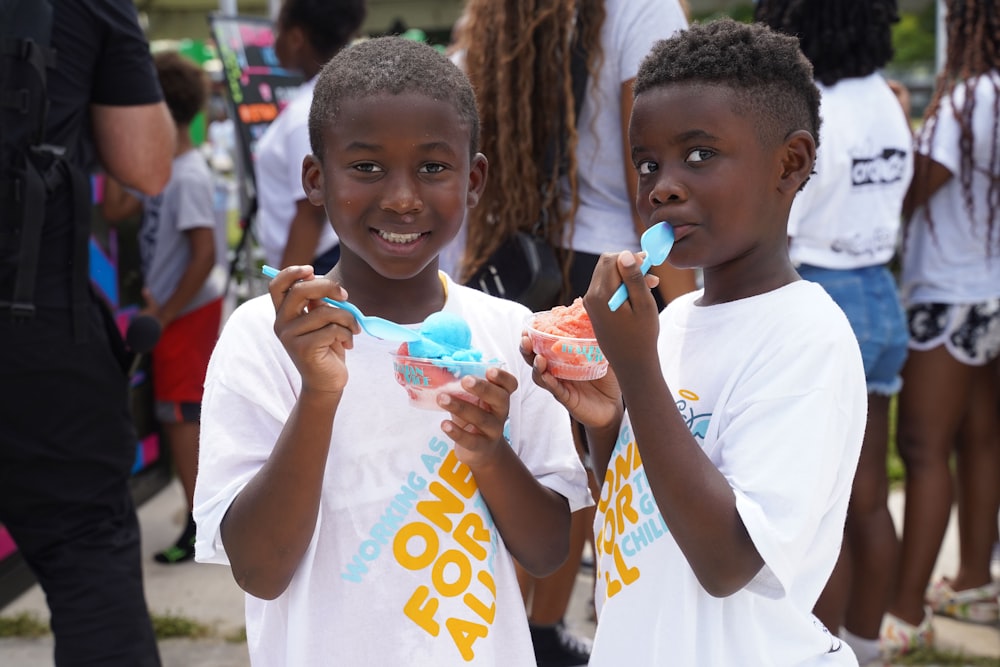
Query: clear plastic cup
423, 379
568, 358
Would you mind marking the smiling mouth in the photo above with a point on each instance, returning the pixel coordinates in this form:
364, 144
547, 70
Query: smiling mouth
394, 237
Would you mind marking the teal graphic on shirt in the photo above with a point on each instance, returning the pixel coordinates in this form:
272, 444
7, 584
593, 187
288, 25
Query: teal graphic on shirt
628, 519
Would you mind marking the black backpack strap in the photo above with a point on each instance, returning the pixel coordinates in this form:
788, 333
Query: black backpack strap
33, 194
31, 169
79, 183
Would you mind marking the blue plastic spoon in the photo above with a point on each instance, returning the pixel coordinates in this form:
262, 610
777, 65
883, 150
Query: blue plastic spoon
373, 326
656, 242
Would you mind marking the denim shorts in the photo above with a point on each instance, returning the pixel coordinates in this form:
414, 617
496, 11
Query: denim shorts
870, 299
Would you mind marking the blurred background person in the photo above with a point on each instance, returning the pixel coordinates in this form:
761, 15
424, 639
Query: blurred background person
67, 439
843, 228
951, 289
290, 229
182, 245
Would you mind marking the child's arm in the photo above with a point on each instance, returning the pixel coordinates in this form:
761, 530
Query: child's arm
202, 242
709, 530
271, 522
533, 519
118, 203
928, 177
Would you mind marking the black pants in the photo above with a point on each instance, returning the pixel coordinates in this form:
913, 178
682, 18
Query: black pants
67, 445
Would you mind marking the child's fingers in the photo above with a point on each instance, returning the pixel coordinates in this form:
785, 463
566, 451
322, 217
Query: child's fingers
331, 323
487, 415
279, 286
629, 268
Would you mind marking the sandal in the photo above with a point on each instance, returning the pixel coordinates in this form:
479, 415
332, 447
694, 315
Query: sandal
975, 605
899, 637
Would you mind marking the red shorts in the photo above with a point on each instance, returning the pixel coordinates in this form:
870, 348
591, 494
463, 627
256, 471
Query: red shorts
180, 358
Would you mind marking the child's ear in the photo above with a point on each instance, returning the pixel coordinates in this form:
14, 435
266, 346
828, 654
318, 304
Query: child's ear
797, 161
478, 170
312, 180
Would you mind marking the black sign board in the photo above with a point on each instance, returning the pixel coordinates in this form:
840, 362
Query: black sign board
258, 87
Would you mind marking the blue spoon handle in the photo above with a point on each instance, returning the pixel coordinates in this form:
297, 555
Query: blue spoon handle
621, 294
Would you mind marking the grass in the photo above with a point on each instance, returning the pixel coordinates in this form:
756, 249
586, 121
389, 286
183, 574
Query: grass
24, 625
170, 626
894, 465
27, 625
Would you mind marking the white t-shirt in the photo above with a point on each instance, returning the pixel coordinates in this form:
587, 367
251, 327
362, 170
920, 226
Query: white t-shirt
278, 170
405, 566
951, 263
848, 214
187, 202
604, 218
773, 389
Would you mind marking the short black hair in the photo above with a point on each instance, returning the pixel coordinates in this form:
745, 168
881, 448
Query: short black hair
842, 39
770, 77
184, 83
389, 65
329, 25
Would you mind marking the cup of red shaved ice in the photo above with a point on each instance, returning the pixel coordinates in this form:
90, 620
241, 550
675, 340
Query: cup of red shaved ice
438, 362
564, 335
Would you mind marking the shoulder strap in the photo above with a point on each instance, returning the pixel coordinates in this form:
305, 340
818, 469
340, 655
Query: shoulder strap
27, 164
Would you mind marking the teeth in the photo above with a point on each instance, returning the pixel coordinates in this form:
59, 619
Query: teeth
393, 237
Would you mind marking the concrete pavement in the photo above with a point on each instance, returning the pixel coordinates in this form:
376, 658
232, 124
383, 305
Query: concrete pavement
208, 594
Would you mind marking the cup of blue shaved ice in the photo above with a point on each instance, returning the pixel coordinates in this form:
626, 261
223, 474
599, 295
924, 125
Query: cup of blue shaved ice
437, 363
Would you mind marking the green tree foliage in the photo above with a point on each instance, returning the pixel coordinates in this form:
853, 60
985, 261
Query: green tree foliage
913, 38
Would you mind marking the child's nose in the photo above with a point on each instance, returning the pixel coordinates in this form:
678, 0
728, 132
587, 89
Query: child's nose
667, 188
403, 195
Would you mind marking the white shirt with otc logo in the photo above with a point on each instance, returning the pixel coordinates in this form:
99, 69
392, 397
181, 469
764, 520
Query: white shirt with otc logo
848, 214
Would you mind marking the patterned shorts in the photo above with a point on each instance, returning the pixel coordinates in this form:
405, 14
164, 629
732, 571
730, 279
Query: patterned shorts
970, 332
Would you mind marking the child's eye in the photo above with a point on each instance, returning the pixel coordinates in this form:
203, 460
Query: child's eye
699, 155
433, 168
647, 167
368, 167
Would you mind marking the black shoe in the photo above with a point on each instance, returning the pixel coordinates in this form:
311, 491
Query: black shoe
555, 646
183, 548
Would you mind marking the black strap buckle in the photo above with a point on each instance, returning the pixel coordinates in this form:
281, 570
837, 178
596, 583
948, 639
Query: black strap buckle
22, 311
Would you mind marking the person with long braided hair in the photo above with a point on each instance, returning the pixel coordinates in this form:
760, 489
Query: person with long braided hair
577, 171
518, 55
951, 288
843, 228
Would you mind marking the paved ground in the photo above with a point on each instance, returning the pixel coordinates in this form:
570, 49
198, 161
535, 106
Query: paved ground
207, 593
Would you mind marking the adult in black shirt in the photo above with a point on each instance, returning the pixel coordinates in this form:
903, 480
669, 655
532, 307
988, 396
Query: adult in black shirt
67, 441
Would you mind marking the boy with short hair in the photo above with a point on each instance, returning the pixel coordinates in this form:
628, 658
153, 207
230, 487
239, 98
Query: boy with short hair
726, 480
367, 532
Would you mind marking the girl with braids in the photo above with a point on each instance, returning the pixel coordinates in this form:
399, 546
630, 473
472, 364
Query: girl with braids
951, 288
517, 53
843, 228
